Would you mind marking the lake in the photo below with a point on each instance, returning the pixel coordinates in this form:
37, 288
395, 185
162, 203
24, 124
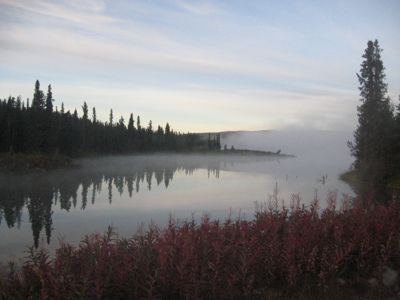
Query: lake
39, 209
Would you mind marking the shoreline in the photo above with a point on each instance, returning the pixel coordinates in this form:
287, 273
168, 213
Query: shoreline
19, 162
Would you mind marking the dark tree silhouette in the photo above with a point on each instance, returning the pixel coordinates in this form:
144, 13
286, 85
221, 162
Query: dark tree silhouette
94, 118
373, 138
38, 97
111, 117
49, 100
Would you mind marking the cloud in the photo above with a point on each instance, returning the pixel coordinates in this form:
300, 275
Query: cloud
198, 7
164, 60
201, 109
86, 13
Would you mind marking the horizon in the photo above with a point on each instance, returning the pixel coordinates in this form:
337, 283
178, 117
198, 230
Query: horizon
201, 66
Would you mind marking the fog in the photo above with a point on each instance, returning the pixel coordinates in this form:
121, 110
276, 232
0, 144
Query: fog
125, 191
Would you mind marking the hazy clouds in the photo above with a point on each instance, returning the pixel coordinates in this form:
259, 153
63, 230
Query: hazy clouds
201, 65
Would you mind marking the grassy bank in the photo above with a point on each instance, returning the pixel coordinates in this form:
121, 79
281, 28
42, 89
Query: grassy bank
301, 253
23, 162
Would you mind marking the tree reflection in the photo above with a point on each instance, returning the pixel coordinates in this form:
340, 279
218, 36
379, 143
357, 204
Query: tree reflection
39, 192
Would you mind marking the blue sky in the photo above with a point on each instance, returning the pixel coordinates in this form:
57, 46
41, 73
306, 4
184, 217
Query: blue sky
200, 65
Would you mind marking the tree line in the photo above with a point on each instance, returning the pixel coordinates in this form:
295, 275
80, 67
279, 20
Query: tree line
37, 127
376, 145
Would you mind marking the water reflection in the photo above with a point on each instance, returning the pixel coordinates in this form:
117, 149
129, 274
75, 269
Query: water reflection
39, 193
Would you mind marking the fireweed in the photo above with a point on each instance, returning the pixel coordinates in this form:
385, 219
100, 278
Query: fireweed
281, 253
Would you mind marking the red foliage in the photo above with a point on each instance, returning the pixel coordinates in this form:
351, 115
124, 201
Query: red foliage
280, 251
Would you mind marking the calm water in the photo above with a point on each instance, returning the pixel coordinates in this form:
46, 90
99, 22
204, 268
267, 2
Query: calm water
126, 191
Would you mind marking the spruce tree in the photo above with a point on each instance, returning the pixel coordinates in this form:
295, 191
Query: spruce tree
397, 141
111, 117
131, 123
372, 139
37, 101
94, 118
85, 111
138, 123
49, 100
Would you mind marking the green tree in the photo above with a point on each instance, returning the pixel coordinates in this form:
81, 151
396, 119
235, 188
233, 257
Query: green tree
397, 140
138, 123
94, 119
131, 123
49, 100
111, 117
38, 97
372, 146
85, 111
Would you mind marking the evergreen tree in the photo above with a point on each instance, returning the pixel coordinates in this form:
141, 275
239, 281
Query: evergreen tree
49, 100
150, 127
62, 108
138, 123
372, 147
37, 102
397, 140
111, 117
131, 123
121, 122
85, 111
94, 116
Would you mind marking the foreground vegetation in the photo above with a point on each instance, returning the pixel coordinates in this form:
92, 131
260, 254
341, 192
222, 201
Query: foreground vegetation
300, 253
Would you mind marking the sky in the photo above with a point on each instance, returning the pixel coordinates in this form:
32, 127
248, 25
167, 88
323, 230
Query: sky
200, 65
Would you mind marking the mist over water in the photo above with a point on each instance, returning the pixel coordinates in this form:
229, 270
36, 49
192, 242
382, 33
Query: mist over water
125, 191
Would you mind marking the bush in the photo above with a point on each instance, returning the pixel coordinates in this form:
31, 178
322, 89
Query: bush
299, 252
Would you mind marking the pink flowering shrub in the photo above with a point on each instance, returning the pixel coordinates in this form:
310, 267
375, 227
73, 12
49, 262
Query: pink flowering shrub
285, 252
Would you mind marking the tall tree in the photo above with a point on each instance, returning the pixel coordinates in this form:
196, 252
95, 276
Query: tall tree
49, 100
85, 111
37, 101
94, 118
111, 117
397, 140
131, 123
372, 147
138, 123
